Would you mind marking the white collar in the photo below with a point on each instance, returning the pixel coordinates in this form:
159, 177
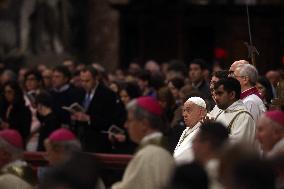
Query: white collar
155, 134
247, 89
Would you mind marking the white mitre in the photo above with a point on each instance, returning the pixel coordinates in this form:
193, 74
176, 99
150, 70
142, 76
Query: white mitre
198, 101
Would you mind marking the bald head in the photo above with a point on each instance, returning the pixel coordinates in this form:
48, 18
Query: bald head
236, 64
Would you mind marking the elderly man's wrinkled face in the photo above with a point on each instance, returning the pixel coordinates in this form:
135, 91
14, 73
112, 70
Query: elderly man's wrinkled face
135, 128
241, 78
266, 134
192, 113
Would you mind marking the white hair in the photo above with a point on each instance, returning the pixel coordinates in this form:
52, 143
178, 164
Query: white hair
250, 71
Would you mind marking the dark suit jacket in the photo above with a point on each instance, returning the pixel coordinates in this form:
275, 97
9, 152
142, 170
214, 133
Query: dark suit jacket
49, 123
66, 98
104, 111
19, 119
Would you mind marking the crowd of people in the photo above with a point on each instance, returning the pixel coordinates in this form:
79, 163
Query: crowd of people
186, 126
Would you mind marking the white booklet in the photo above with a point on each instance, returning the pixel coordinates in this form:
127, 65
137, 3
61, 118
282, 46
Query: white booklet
114, 130
73, 108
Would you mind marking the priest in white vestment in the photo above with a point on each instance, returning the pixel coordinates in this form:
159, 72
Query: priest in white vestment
247, 75
233, 113
152, 165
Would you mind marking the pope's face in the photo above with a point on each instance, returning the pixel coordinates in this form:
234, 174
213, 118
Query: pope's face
192, 113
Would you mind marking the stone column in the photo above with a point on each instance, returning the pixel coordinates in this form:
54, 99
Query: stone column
103, 34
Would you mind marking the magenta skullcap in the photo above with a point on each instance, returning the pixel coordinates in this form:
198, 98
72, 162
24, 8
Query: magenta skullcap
276, 116
13, 137
61, 134
150, 104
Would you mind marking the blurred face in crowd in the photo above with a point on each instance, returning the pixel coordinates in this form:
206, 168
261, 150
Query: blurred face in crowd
53, 156
136, 128
114, 87
192, 113
142, 84
58, 79
261, 89
87, 80
9, 94
214, 80
46, 75
124, 96
21, 74
273, 77
267, 134
173, 90
223, 98
70, 65
195, 73
31, 83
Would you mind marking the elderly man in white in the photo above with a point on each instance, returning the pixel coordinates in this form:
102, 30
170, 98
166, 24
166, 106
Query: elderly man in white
247, 75
194, 111
270, 133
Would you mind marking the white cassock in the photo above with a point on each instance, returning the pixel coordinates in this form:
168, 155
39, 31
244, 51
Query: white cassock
151, 167
239, 122
183, 152
254, 105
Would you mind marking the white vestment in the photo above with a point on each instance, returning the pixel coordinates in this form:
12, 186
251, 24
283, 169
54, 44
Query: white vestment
150, 168
183, 152
239, 122
254, 105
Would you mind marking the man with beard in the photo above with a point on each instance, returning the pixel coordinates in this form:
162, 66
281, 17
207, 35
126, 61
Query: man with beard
233, 113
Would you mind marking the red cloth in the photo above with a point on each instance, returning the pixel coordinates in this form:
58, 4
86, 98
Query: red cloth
150, 104
61, 134
13, 137
250, 92
276, 116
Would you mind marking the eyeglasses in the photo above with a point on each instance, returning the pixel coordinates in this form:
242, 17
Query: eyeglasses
232, 74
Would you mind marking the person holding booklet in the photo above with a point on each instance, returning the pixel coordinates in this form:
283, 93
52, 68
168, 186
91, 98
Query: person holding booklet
101, 112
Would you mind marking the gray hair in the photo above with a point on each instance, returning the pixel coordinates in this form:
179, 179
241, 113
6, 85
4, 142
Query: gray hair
156, 122
16, 153
250, 71
11, 75
67, 147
